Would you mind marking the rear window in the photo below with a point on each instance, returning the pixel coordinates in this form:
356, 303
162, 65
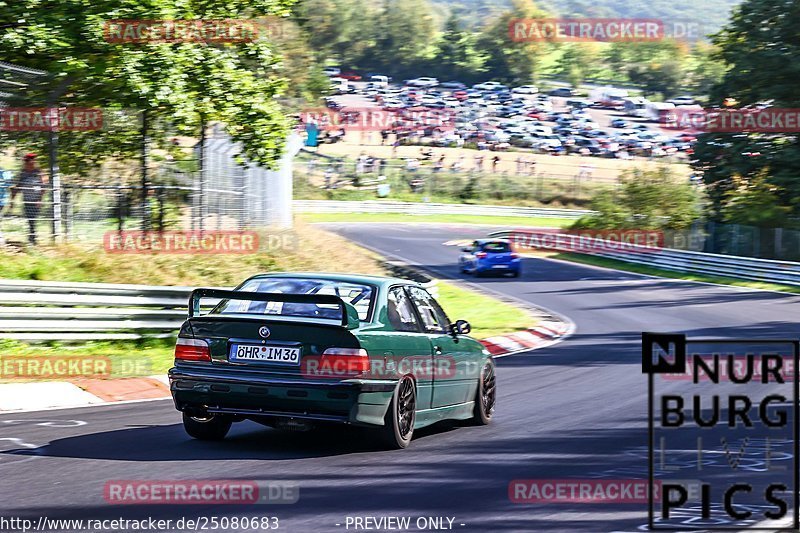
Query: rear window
496, 247
358, 295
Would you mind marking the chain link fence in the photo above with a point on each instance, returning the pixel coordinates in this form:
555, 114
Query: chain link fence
325, 177
229, 193
317, 178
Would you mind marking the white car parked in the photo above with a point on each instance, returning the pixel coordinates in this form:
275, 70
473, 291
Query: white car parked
422, 82
540, 130
525, 89
487, 86
682, 100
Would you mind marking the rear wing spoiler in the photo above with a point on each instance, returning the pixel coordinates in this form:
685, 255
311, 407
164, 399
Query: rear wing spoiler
348, 312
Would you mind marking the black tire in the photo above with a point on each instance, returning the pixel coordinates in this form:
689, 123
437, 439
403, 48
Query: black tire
398, 428
516, 274
485, 396
213, 427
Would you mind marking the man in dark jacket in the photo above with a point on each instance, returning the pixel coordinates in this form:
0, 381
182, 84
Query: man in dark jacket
30, 184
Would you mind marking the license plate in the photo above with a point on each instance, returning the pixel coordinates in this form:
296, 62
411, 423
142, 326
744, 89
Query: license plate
500, 266
264, 352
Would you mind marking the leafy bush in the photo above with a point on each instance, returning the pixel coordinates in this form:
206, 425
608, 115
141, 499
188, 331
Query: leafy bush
646, 199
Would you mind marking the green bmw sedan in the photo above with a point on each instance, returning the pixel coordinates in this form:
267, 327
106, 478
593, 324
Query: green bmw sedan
293, 350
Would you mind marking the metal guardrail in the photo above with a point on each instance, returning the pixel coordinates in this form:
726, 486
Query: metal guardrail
746, 268
63, 311
424, 208
47, 310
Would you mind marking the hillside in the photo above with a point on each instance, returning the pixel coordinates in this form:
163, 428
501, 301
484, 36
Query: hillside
711, 14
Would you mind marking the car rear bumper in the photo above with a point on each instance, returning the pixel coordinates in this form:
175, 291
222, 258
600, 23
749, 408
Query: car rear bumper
351, 401
513, 266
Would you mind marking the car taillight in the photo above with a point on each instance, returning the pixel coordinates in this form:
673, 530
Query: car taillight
347, 360
514, 255
481, 255
192, 350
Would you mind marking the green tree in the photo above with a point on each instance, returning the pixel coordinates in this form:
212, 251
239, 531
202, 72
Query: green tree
342, 31
406, 37
578, 61
754, 203
647, 199
758, 50
510, 61
178, 85
667, 78
456, 53
706, 70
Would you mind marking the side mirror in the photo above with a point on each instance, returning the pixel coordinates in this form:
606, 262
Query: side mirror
461, 327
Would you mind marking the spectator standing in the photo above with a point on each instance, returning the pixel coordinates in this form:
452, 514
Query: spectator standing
439, 165
495, 161
30, 185
6, 180
585, 171
361, 164
532, 167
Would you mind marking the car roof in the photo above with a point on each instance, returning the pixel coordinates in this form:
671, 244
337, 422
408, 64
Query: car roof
328, 276
490, 241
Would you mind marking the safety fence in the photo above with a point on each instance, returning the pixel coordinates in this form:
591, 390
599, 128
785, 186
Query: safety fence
426, 208
767, 270
71, 311
230, 193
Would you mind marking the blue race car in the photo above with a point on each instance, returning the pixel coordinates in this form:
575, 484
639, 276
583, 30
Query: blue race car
490, 255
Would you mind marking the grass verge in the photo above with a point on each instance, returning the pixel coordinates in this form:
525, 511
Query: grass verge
400, 218
643, 269
316, 250
311, 249
488, 316
108, 359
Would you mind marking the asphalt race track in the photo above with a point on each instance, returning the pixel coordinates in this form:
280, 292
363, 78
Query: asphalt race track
574, 410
